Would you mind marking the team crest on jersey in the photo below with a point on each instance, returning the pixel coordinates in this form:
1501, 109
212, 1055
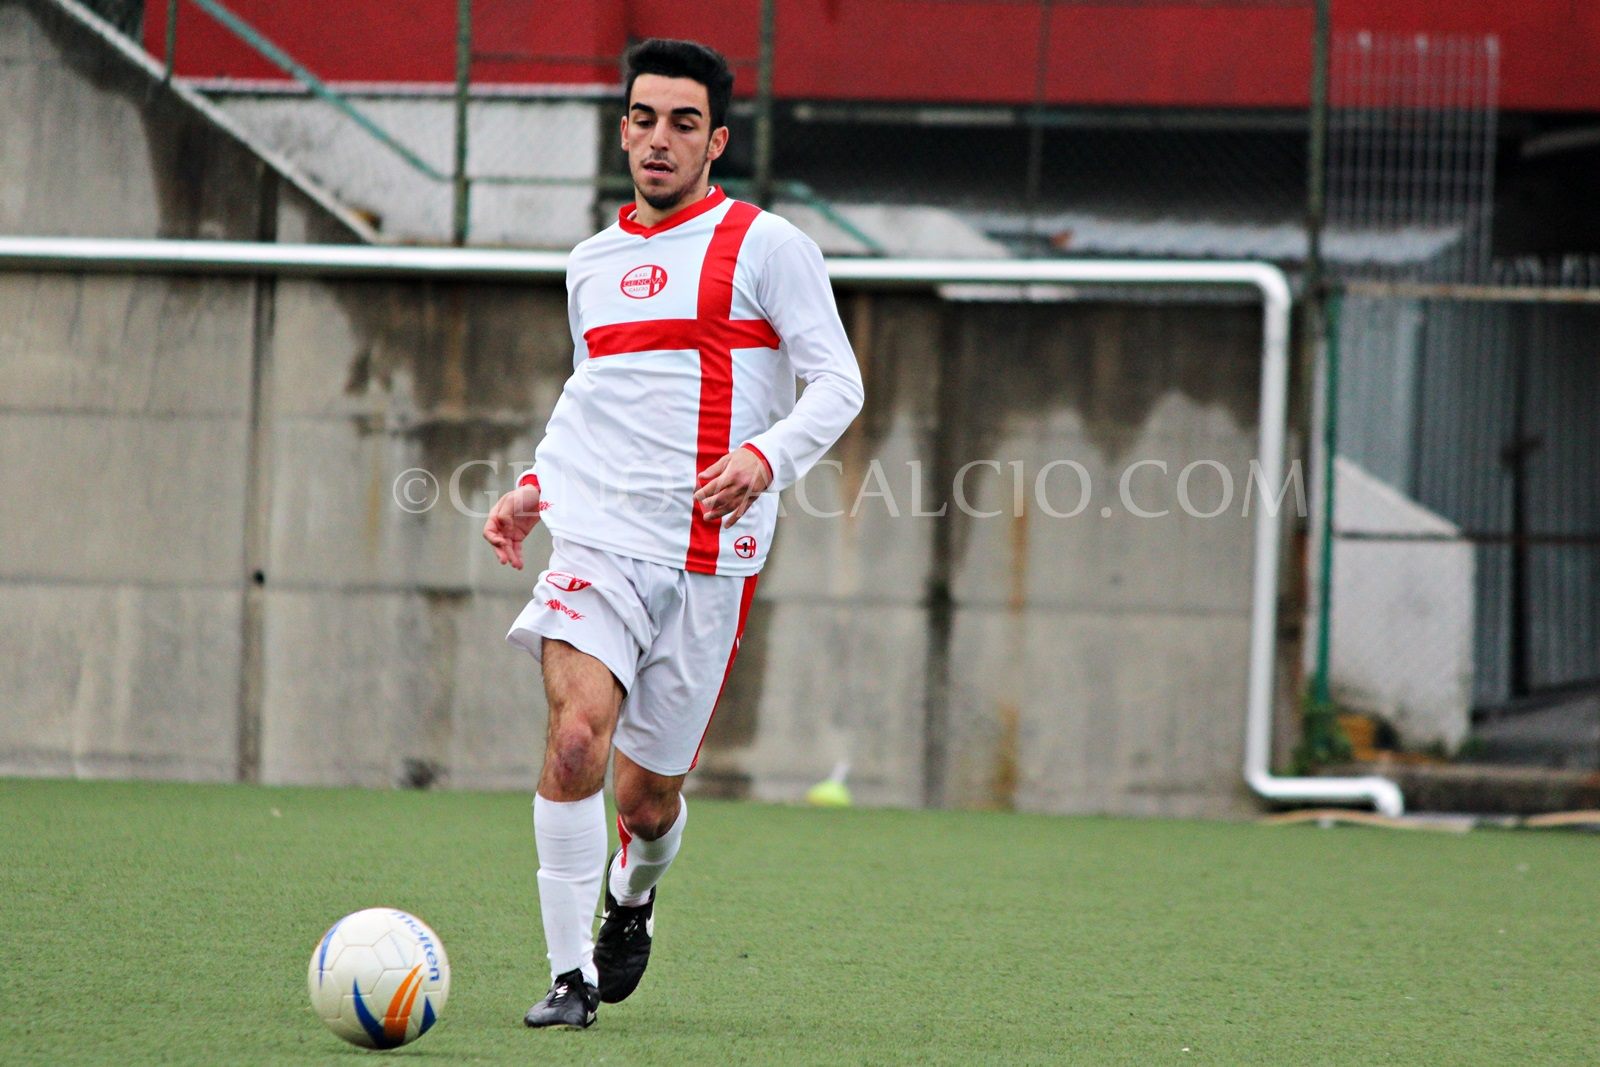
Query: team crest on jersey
569, 582
642, 283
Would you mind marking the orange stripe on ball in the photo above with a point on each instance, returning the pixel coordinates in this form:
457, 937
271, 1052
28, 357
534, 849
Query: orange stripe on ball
399, 1013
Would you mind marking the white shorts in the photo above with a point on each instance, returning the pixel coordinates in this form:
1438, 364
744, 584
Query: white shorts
669, 636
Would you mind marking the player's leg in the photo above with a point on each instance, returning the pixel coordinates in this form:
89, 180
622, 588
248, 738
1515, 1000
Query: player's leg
588, 626
657, 743
569, 824
569, 811
651, 815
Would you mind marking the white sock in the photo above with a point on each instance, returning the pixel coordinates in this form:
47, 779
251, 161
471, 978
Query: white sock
641, 863
571, 837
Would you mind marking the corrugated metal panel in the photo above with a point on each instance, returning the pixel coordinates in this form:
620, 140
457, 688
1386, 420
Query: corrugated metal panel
1563, 497
1429, 400
1465, 418
1380, 355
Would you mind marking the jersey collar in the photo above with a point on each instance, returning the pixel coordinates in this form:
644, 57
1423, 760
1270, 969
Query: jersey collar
677, 218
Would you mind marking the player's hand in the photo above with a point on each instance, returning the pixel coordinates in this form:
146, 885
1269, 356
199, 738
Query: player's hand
730, 485
511, 519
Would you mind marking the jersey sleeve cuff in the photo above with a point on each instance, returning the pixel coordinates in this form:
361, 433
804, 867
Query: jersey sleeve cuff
762, 456
528, 478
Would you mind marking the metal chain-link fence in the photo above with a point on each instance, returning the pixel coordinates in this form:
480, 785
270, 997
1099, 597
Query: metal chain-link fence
1463, 581
1459, 582
1082, 146
1042, 127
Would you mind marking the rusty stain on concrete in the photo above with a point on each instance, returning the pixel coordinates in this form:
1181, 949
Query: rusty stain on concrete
1008, 744
455, 368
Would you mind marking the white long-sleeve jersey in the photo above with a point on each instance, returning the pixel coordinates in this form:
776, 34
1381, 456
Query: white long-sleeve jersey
688, 337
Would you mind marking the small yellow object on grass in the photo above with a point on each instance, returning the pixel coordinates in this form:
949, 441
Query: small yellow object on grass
831, 792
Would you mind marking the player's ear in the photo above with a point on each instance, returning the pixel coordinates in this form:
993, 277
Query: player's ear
624, 133
718, 143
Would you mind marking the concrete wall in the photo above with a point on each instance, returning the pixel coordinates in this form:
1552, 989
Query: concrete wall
1059, 664
206, 574
95, 145
124, 431
127, 413
1402, 625
1093, 664
556, 141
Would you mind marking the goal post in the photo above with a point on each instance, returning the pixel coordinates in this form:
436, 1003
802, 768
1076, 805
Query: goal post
1265, 280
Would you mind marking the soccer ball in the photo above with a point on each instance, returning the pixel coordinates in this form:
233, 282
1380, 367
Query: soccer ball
379, 978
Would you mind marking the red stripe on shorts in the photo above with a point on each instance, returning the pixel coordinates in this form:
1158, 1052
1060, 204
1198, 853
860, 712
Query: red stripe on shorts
745, 597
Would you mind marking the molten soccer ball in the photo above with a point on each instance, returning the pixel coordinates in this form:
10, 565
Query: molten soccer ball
379, 978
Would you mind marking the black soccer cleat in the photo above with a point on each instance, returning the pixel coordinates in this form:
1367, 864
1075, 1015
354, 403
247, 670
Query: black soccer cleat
571, 1002
622, 950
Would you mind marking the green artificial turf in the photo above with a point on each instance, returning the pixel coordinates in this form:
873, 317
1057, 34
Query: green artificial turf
168, 924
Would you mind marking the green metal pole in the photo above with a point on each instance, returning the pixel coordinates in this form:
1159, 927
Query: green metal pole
172, 38
1033, 175
763, 147
1317, 154
1320, 689
460, 223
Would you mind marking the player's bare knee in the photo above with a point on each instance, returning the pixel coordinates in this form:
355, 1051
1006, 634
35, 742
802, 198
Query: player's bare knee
645, 813
577, 744
575, 755
650, 823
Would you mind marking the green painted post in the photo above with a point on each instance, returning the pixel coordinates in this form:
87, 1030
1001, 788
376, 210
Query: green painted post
1317, 151
1320, 690
172, 38
460, 217
762, 184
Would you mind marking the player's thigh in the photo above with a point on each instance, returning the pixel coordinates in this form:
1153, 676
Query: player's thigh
588, 599
581, 690
584, 698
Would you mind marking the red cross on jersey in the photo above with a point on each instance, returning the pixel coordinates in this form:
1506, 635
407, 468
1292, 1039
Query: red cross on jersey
688, 339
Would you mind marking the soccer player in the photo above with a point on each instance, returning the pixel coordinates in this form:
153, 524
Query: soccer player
658, 476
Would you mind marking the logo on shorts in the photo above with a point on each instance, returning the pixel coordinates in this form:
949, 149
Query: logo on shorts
745, 547
569, 582
641, 283
555, 605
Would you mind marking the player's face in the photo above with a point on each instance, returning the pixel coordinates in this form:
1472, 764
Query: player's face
669, 140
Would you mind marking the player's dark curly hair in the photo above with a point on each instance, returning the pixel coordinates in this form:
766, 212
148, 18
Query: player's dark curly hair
684, 59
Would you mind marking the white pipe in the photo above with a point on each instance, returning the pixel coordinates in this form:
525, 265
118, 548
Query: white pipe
1382, 793
236, 257
245, 257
